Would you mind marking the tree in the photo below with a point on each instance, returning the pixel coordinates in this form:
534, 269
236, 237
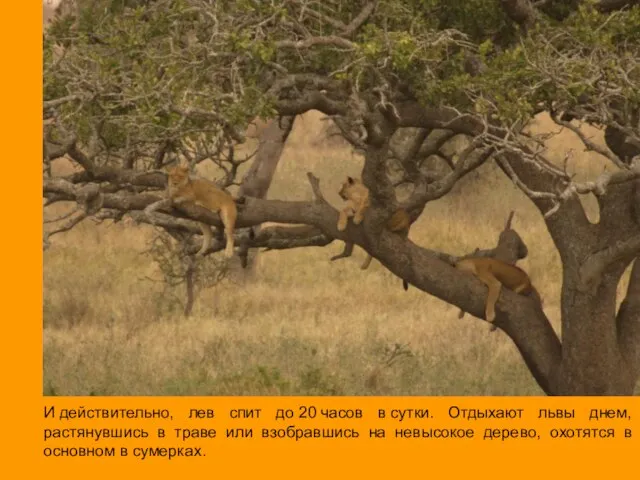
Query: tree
130, 86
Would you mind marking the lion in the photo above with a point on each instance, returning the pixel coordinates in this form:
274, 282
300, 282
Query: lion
354, 192
181, 188
494, 274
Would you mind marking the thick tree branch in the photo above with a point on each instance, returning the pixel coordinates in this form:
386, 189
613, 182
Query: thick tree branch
311, 101
270, 238
608, 6
53, 152
121, 176
412, 114
80, 157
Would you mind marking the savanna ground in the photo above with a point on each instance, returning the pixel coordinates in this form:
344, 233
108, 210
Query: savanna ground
300, 324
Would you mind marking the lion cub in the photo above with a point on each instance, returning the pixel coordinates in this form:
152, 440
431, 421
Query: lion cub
494, 274
356, 195
183, 189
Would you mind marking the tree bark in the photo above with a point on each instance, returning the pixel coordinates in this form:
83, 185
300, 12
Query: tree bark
592, 360
190, 287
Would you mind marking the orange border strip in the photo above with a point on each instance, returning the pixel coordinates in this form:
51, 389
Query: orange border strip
23, 421
21, 247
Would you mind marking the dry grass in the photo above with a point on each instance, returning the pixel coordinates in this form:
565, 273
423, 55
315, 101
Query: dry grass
301, 325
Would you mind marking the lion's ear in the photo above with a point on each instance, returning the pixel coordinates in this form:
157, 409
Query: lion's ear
350, 180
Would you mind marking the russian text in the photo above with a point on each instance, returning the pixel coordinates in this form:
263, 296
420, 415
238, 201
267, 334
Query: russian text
434, 433
169, 453
292, 432
476, 414
582, 433
107, 413
79, 452
506, 433
95, 433
187, 433
608, 414
556, 414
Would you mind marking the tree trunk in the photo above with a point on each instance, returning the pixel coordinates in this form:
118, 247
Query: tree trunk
258, 179
592, 360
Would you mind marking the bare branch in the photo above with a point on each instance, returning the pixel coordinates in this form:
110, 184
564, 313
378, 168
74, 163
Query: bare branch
330, 40
605, 152
315, 187
270, 238
63, 216
78, 216
60, 101
428, 192
530, 193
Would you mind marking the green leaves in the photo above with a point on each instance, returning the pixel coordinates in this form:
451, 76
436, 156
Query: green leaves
132, 62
